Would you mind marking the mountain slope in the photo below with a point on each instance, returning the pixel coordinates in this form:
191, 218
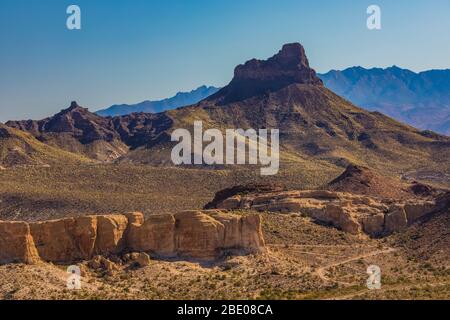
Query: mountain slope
179, 100
317, 127
79, 131
419, 99
315, 124
21, 148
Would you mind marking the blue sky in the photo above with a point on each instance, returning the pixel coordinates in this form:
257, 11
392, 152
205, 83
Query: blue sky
129, 51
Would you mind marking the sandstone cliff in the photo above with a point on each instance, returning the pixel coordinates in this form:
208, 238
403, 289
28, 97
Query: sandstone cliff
196, 234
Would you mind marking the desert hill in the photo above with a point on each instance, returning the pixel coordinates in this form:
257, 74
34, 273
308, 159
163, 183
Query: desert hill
77, 130
21, 148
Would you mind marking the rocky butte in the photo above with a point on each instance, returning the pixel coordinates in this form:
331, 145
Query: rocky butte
256, 77
202, 235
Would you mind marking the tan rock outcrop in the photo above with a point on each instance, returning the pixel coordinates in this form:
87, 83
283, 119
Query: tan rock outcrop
351, 213
373, 224
241, 231
196, 234
16, 243
110, 234
156, 234
217, 231
66, 239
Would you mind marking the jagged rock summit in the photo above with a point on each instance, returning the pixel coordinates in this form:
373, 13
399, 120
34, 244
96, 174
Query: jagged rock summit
76, 121
290, 65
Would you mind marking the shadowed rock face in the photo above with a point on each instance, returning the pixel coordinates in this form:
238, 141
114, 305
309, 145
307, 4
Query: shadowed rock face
203, 235
240, 190
290, 65
4, 133
76, 120
77, 130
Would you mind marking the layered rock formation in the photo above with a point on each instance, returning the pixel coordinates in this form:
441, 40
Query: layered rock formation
195, 234
349, 212
16, 243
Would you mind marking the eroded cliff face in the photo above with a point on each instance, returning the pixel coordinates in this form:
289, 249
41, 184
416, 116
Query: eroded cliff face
202, 235
16, 243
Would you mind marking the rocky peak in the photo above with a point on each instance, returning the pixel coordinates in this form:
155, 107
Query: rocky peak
74, 105
75, 120
75, 108
289, 66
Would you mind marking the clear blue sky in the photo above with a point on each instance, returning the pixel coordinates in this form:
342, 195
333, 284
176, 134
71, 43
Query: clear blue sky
129, 51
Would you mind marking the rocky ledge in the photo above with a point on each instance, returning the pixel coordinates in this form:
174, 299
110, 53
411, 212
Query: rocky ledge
200, 235
351, 213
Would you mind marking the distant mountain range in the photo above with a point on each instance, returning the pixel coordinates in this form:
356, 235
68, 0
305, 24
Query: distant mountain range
179, 100
318, 128
419, 99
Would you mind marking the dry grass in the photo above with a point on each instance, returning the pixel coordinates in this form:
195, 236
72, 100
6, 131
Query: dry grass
37, 193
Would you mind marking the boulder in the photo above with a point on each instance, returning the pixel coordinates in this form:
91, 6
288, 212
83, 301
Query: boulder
100, 262
231, 203
143, 259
